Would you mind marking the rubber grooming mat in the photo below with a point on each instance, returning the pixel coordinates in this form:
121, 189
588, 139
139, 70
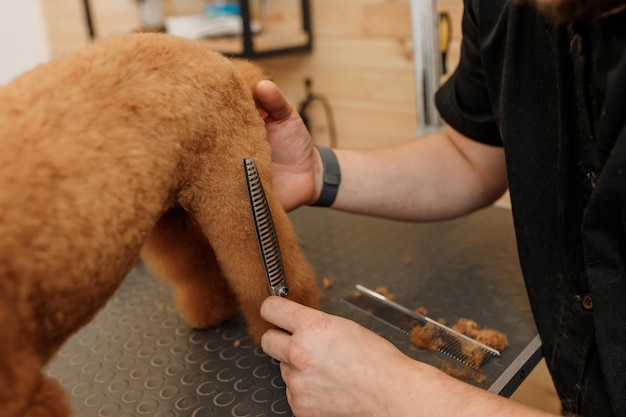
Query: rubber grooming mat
137, 357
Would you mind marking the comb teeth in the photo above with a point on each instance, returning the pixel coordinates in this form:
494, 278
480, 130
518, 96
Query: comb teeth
422, 330
265, 231
451, 343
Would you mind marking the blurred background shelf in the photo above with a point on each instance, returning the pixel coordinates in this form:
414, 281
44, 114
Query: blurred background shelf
285, 26
263, 44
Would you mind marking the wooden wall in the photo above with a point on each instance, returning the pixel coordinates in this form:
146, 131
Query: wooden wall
362, 62
362, 59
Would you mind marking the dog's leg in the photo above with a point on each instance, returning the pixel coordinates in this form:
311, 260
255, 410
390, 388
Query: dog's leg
48, 401
178, 252
26, 392
220, 205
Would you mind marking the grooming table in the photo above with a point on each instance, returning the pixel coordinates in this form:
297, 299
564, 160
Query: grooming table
137, 357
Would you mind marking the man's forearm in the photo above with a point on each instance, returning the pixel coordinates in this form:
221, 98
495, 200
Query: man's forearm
435, 177
427, 391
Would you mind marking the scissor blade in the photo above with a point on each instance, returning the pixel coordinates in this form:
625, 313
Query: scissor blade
265, 231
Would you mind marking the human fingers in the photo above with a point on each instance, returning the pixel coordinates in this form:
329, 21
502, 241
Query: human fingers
285, 373
285, 370
272, 100
274, 343
283, 312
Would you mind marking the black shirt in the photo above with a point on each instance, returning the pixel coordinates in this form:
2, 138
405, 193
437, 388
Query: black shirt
555, 98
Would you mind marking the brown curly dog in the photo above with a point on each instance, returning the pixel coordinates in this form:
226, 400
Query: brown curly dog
136, 142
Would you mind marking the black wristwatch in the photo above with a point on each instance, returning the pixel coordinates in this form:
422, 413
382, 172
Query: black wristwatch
331, 177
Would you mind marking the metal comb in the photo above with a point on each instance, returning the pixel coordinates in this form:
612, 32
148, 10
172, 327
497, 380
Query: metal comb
265, 231
449, 342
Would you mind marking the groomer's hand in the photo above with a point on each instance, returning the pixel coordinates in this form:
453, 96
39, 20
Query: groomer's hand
331, 365
335, 368
295, 161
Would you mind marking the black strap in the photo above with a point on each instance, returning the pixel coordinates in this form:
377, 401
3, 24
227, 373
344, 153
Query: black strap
331, 177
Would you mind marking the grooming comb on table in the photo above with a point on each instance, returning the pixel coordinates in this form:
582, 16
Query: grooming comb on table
265, 231
440, 337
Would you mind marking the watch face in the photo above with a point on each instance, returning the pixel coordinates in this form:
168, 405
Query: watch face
332, 179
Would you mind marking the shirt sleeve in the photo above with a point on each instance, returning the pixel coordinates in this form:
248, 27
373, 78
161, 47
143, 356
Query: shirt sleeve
463, 100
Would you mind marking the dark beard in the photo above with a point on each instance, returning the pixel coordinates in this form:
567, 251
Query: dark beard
572, 11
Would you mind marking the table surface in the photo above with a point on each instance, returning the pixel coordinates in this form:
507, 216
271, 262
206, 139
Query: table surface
137, 357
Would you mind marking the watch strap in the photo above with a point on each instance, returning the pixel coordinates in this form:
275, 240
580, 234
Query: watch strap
331, 177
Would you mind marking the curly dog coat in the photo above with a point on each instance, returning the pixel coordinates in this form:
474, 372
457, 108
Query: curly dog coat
136, 142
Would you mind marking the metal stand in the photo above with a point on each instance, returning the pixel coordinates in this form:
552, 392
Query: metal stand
427, 59
248, 41
89, 20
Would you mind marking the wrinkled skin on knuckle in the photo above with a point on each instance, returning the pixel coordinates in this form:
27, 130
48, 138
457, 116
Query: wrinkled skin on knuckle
299, 355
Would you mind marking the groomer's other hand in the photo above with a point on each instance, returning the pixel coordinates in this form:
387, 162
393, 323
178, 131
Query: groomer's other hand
294, 160
335, 368
331, 365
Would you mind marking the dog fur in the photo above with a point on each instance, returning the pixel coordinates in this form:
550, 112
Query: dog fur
134, 143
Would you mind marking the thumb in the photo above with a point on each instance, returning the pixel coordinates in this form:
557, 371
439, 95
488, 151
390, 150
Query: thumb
272, 100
